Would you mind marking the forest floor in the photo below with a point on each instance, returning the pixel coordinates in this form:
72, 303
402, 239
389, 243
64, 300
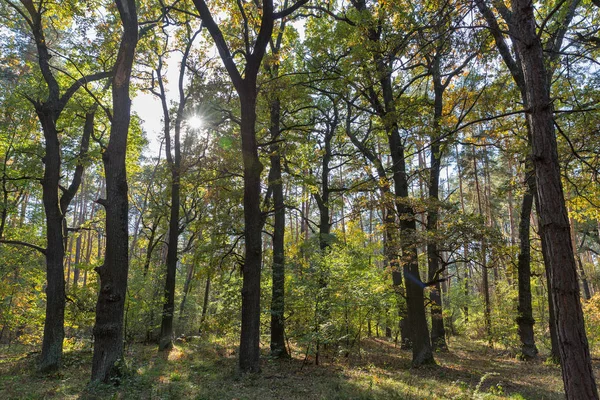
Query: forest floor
199, 370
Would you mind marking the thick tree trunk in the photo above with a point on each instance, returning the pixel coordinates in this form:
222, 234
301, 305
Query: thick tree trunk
250, 334
525, 319
52, 343
575, 357
415, 301
108, 329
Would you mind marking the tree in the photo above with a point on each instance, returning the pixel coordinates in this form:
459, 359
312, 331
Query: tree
174, 162
575, 358
48, 112
246, 88
108, 329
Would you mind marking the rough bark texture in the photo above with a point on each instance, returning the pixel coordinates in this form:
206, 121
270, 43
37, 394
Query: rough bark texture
250, 334
108, 329
415, 301
52, 343
573, 346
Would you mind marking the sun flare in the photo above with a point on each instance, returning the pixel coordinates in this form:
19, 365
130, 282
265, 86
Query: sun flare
195, 122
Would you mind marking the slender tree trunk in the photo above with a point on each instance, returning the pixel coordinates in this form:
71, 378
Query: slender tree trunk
174, 161
438, 332
205, 302
465, 245
186, 290
278, 348
79, 240
484, 271
582, 277
586, 287
525, 319
108, 329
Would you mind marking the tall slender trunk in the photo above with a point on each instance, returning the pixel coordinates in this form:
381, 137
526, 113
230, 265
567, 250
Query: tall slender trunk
278, 348
465, 245
484, 270
438, 332
186, 290
582, 276
108, 328
79, 240
205, 301
322, 309
525, 319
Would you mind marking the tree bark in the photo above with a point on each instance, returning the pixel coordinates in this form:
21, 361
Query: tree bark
250, 333
108, 328
575, 357
52, 342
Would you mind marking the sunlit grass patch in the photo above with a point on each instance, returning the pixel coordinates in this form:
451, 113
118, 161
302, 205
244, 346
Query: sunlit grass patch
205, 369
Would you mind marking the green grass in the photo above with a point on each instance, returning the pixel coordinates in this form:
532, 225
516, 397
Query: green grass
207, 370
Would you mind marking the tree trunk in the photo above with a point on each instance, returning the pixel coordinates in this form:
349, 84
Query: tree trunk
487, 320
438, 332
52, 343
205, 302
108, 329
278, 348
415, 301
186, 289
575, 357
250, 334
525, 319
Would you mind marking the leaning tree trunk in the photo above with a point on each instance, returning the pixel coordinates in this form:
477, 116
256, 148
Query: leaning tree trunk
575, 357
108, 329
